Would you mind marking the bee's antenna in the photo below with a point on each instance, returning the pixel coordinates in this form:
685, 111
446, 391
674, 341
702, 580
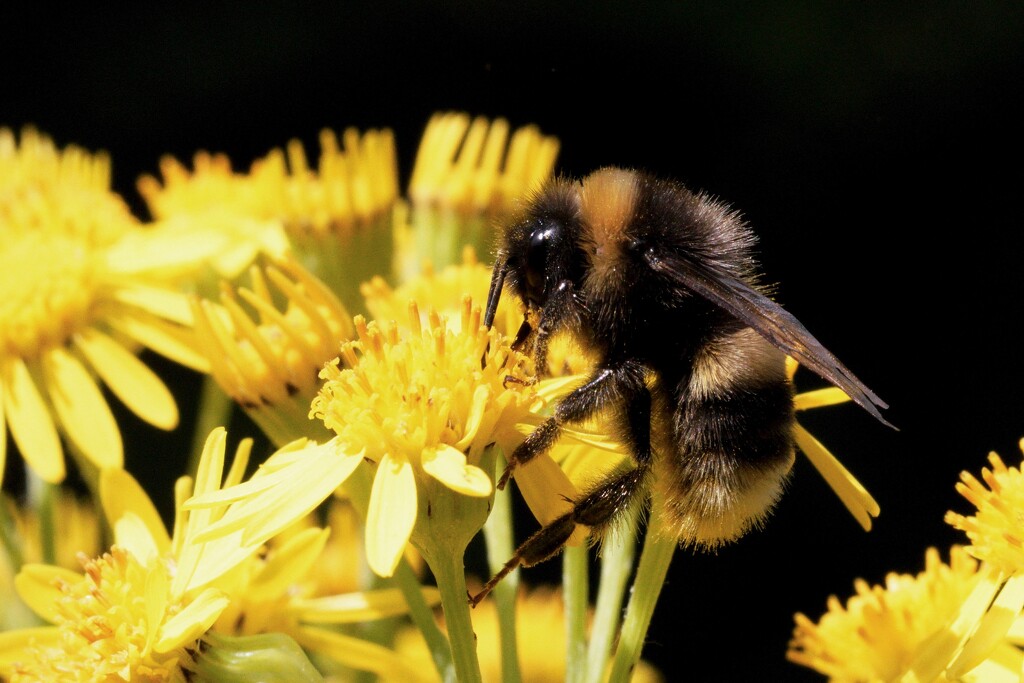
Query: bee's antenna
494, 293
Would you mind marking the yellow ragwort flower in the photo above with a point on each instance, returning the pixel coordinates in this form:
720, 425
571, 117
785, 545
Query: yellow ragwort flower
887, 633
352, 184
269, 360
336, 215
994, 530
80, 292
138, 610
422, 408
474, 166
468, 174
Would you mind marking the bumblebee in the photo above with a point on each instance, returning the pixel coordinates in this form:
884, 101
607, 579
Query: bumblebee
661, 285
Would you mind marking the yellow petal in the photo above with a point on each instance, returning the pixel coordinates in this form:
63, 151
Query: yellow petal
352, 608
448, 465
391, 515
992, 629
82, 409
296, 493
791, 365
357, 653
275, 471
3, 431
121, 494
475, 418
13, 644
1004, 665
166, 339
585, 465
157, 601
938, 650
288, 564
169, 246
31, 424
130, 379
545, 488
202, 564
829, 396
192, 622
131, 534
850, 491
36, 585
599, 440
166, 304
549, 493
557, 387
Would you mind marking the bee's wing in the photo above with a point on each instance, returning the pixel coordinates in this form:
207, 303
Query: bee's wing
770, 319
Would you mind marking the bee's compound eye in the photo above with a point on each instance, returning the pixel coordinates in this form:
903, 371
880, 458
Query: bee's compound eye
537, 257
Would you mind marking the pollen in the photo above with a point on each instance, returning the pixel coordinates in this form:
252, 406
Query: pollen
407, 390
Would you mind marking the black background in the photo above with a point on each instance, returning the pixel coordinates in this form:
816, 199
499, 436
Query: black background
874, 148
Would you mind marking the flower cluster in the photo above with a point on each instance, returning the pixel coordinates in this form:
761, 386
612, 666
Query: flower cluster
955, 621
340, 316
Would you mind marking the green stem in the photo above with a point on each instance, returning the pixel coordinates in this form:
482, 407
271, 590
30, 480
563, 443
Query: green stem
451, 581
358, 488
423, 616
617, 552
214, 411
498, 532
10, 538
40, 496
576, 587
650, 577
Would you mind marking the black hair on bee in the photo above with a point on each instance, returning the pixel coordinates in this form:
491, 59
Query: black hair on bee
661, 284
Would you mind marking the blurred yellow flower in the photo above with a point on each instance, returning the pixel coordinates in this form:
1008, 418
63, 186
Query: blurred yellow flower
336, 214
75, 529
475, 167
469, 174
540, 637
84, 284
353, 182
889, 633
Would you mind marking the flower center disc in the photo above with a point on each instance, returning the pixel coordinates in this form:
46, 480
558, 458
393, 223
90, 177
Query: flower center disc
49, 285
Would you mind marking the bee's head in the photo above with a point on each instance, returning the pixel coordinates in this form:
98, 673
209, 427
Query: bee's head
538, 248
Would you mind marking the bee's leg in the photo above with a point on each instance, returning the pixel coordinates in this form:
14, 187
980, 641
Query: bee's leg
601, 505
605, 387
